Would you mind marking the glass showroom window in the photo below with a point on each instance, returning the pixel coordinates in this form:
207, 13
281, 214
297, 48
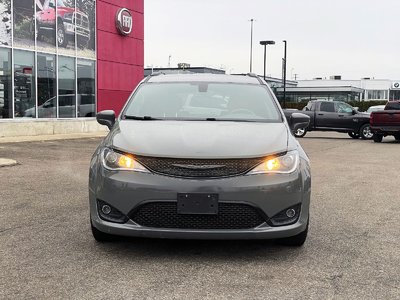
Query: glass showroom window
45, 25
86, 88
66, 87
377, 94
24, 84
5, 84
46, 86
24, 24
66, 27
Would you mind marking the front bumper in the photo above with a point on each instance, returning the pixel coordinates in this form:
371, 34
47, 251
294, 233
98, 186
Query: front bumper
270, 194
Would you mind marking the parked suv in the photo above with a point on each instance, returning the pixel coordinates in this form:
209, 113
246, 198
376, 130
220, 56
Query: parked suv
201, 156
69, 21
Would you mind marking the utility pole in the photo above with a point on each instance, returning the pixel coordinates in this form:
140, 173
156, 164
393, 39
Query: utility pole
284, 76
251, 45
169, 61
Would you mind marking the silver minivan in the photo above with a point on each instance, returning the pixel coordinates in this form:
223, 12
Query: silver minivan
201, 156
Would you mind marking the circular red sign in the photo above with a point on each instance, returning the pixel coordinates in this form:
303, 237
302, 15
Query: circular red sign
124, 21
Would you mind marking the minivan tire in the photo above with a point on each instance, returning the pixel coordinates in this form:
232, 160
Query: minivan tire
296, 240
100, 236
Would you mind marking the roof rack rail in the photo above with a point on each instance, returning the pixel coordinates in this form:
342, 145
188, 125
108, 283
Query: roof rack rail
157, 73
255, 76
148, 77
252, 74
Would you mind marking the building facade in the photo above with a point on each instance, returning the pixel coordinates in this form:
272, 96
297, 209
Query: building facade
335, 88
67, 59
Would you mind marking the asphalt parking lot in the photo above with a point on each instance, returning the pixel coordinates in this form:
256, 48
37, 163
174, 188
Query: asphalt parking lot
47, 251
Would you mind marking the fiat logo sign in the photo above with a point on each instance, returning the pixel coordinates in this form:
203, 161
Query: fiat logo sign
123, 21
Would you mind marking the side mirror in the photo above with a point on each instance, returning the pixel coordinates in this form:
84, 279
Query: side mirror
298, 121
106, 117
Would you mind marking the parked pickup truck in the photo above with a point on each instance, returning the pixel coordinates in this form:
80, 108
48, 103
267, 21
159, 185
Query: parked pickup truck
334, 116
386, 122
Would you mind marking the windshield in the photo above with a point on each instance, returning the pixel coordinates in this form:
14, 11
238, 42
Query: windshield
202, 100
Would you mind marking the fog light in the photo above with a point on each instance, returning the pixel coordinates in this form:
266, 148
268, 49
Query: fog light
290, 213
109, 213
106, 209
287, 216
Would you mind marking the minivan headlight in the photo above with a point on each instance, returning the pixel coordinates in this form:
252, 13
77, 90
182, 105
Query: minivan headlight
285, 164
113, 160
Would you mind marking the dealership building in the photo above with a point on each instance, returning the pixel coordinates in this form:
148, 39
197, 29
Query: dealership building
63, 60
335, 88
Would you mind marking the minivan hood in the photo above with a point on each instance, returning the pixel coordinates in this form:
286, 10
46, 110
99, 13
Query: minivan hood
199, 139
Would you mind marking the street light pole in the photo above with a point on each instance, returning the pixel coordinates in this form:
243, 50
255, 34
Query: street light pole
284, 76
265, 60
251, 45
265, 43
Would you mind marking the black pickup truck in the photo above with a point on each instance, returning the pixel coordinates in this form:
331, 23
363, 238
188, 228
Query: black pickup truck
334, 116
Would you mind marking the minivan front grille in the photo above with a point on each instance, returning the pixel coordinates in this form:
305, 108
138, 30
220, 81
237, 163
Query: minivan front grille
199, 168
165, 215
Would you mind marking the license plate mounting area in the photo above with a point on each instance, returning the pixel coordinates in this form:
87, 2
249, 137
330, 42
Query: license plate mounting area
197, 203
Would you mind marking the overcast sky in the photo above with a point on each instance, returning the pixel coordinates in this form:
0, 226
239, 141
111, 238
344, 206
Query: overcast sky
352, 38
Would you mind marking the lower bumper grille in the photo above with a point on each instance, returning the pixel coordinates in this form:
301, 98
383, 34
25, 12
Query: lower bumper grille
230, 216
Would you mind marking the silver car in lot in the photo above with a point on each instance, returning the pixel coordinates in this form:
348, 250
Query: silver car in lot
201, 156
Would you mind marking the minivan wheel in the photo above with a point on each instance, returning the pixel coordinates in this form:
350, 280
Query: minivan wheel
378, 138
299, 133
354, 135
100, 236
296, 240
365, 132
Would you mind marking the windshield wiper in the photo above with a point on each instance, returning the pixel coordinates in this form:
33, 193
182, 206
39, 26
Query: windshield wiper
231, 120
144, 118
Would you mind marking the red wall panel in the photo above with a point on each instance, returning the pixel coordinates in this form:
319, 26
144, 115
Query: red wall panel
107, 13
114, 100
116, 48
118, 76
120, 59
132, 5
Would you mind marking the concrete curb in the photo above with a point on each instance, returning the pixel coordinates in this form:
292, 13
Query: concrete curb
40, 127
51, 137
